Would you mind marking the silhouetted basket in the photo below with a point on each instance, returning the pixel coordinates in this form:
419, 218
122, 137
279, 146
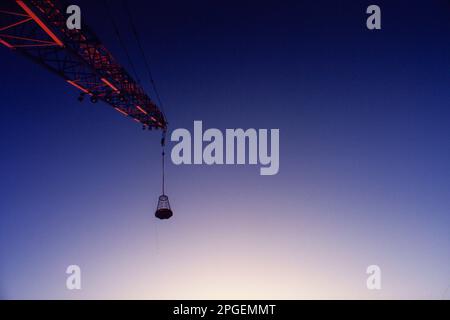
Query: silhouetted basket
163, 210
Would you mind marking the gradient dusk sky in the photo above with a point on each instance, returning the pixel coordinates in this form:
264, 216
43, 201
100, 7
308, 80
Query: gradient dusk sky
364, 177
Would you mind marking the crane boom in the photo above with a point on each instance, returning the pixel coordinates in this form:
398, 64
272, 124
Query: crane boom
37, 29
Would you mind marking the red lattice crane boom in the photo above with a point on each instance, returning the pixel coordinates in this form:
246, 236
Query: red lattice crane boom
37, 29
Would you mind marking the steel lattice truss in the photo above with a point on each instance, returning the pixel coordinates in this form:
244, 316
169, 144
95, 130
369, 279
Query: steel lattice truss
37, 29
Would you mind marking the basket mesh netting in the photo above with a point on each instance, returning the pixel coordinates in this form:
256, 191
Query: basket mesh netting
163, 210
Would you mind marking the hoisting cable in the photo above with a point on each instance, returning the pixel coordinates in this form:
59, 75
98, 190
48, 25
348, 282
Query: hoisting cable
163, 145
121, 42
144, 56
163, 210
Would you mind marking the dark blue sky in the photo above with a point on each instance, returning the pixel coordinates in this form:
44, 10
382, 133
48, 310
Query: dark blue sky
364, 157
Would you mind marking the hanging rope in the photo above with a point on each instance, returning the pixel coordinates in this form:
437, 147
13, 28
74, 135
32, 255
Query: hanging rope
144, 56
121, 42
163, 144
163, 210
